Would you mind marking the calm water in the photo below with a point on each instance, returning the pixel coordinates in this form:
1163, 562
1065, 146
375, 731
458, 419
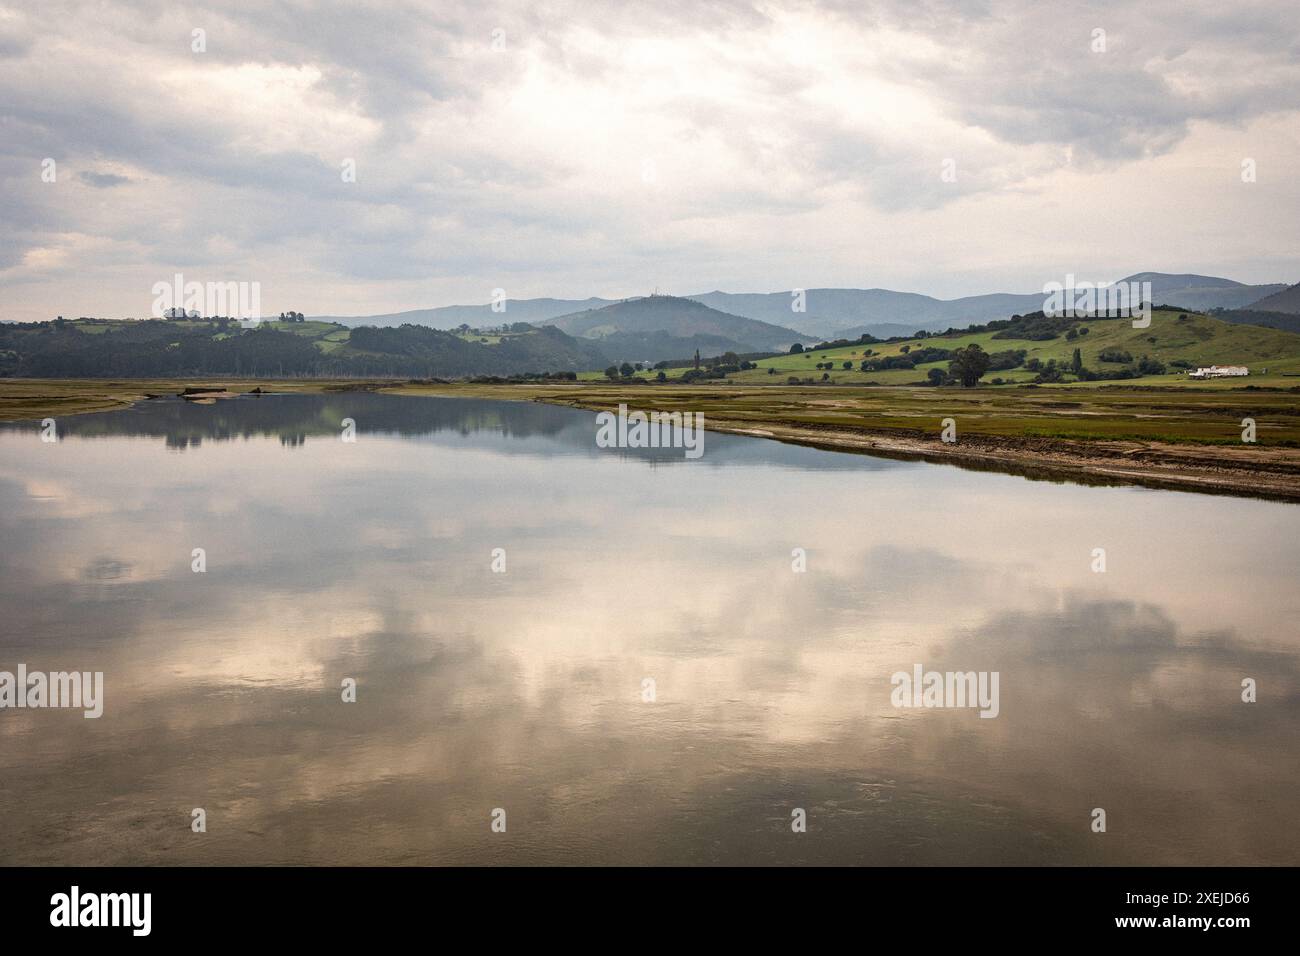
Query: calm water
523, 690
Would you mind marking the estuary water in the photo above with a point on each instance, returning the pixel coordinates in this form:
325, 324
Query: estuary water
562, 653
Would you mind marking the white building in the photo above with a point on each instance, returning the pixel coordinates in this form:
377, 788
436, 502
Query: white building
1219, 371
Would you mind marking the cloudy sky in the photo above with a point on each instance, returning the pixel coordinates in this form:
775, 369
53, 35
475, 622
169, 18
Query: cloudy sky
603, 148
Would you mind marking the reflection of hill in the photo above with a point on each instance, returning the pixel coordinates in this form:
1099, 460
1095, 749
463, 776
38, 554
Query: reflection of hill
294, 418
529, 427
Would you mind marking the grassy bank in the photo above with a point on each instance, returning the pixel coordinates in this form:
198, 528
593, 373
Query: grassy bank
1209, 416
1166, 437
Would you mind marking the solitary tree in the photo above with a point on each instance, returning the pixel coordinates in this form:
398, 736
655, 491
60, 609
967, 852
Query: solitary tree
968, 365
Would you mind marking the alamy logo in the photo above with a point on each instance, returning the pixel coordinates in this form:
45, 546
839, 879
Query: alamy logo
655, 430
73, 689
239, 300
923, 688
103, 909
1088, 299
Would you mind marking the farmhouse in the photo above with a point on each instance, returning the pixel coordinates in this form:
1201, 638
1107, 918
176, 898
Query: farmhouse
1219, 371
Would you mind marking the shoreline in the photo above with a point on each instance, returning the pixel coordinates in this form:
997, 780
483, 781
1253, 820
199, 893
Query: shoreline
1174, 468
1241, 470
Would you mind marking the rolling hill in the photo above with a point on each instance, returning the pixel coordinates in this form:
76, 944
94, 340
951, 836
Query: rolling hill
677, 318
1270, 320
534, 311
847, 313
836, 313
1285, 300
1173, 337
189, 347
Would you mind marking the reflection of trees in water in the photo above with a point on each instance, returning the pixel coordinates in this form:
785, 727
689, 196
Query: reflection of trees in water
293, 418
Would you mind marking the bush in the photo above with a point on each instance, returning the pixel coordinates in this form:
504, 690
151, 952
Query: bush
1002, 361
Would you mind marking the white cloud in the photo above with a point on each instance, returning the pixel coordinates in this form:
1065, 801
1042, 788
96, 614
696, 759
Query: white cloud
607, 148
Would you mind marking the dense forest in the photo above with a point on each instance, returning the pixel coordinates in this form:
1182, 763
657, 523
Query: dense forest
197, 347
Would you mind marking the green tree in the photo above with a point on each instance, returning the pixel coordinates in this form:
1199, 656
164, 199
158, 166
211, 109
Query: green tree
1076, 363
968, 365
612, 372
626, 370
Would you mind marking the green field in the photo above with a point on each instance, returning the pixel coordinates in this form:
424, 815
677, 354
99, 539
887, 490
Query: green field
1272, 356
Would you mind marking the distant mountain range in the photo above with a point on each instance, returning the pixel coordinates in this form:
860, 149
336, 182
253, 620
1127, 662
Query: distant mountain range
662, 325
751, 322
1287, 300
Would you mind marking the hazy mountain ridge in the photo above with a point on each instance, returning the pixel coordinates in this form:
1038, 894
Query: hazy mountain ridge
850, 312
835, 313
680, 318
1286, 300
661, 346
476, 316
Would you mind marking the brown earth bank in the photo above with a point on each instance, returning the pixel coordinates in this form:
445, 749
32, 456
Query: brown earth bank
1251, 470
997, 430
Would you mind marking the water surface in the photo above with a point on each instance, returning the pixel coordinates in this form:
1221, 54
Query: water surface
523, 690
